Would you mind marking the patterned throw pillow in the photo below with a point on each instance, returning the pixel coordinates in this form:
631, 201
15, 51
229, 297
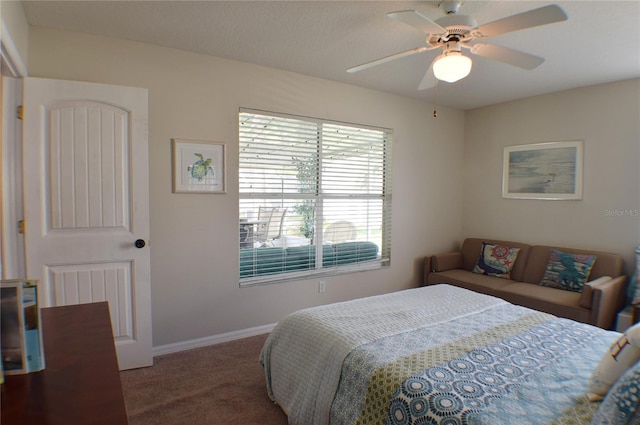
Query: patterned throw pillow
621, 355
496, 260
567, 271
621, 406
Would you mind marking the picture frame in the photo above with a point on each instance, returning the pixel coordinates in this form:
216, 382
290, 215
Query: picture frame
21, 327
546, 171
198, 166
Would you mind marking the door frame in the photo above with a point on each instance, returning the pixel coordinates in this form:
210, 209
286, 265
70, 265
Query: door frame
12, 254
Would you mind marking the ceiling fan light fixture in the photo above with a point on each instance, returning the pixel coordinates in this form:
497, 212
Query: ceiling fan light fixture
451, 66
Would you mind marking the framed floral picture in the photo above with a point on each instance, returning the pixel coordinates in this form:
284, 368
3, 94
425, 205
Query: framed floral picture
198, 166
550, 171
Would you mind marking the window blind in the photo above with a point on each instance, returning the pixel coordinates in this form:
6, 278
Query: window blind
314, 197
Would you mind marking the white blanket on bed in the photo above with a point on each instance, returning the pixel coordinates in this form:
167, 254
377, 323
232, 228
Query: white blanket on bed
303, 356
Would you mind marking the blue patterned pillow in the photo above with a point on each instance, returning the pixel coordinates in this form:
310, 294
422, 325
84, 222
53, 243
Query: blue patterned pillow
567, 271
621, 406
496, 260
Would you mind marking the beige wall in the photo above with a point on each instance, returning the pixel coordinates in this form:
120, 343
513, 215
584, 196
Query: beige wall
15, 28
195, 289
194, 238
607, 118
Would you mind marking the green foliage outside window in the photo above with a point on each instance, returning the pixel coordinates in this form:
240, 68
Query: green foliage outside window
307, 171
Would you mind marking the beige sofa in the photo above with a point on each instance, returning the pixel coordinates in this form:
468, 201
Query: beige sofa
599, 302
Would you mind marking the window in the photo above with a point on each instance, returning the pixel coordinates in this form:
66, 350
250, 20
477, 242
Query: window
314, 197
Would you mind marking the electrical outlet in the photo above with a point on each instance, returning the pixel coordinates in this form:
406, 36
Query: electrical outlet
322, 286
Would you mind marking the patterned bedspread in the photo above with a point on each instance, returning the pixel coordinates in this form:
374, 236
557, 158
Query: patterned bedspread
433, 355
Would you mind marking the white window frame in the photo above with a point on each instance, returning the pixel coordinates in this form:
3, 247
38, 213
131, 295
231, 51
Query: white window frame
384, 196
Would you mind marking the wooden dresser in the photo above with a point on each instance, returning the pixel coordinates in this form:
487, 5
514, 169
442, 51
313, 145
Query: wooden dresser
81, 382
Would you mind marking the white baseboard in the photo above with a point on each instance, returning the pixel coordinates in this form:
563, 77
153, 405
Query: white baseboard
211, 340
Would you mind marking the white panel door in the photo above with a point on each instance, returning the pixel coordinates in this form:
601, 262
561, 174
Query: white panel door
86, 203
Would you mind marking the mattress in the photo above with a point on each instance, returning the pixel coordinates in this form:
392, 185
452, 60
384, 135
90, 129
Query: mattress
437, 354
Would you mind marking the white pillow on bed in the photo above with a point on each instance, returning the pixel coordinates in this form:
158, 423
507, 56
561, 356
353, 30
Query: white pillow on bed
623, 353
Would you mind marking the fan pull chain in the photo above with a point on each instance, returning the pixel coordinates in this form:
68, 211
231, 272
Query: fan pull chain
435, 101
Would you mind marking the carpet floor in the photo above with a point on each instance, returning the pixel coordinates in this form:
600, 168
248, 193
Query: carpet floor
219, 384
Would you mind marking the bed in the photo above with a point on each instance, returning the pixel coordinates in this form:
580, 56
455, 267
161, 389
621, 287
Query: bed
432, 355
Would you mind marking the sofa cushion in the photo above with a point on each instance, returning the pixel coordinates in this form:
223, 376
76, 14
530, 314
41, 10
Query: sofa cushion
496, 260
300, 257
567, 271
607, 264
303, 257
468, 280
548, 300
270, 260
255, 261
471, 248
352, 252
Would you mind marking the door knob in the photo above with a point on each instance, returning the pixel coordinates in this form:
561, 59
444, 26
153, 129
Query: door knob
140, 243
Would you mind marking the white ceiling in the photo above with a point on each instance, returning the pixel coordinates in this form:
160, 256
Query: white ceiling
599, 43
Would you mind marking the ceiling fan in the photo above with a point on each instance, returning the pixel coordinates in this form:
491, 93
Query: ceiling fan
454, 32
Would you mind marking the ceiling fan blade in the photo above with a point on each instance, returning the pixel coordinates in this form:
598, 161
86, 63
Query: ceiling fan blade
387, 59
417, 20
507, 55
532, 18
429, 79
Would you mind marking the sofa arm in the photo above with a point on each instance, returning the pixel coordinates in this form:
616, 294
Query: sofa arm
586, 298
446, 261
426, 270
608, 300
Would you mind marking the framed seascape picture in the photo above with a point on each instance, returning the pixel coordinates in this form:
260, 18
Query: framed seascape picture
198, 167
543, 171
